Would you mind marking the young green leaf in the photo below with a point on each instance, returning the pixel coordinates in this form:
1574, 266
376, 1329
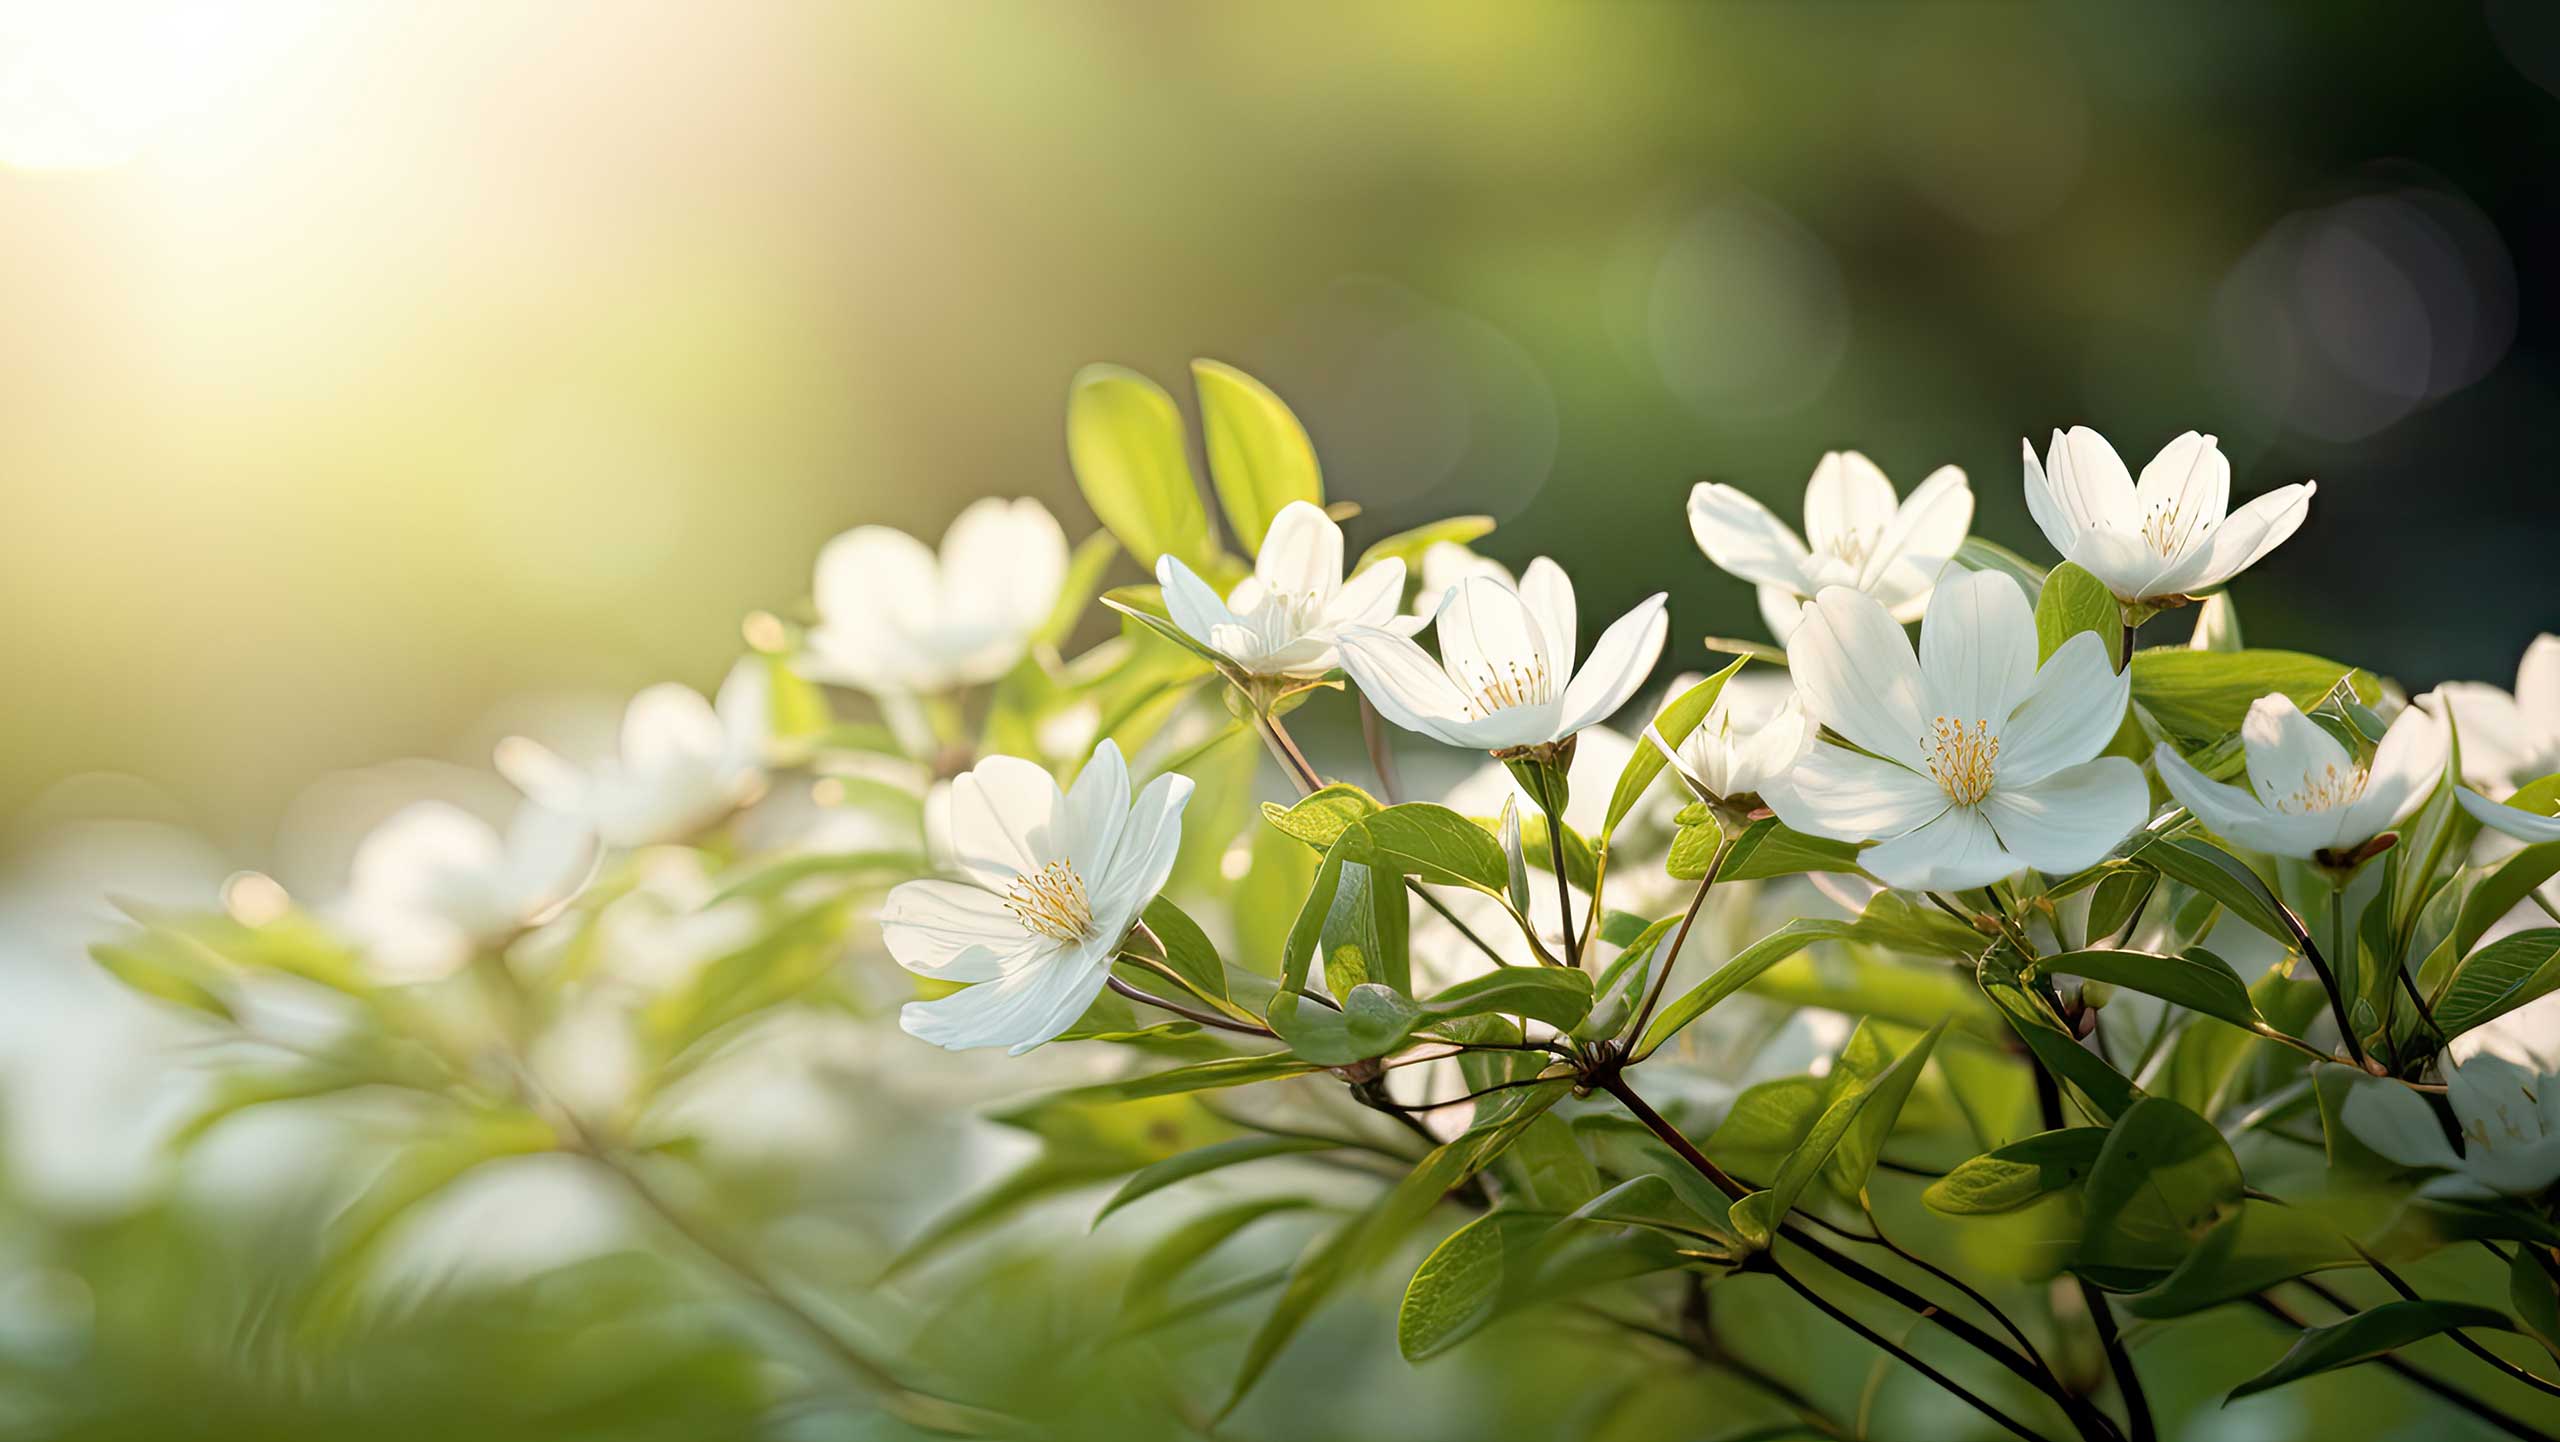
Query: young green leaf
1853, 1125
1202, 1160
1259, 456
1736, 974
2074, 601
2199, 980
2220, 875
2199, 696
2060, 1053
1125, 443
2164, 1179
1670, 727
2500, 977
2007, 1178
1319, 819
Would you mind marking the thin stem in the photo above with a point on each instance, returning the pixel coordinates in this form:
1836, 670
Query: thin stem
1664, 956
2445, 1391
1382, 756
1881, 1342
1960, 1284
2328, 983
1478, 1094
2137, 1405
1205, 1018
1285, 751
2460, 1338
1564, 887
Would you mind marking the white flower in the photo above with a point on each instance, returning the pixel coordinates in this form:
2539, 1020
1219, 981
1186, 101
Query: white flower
1755, 733
1284, 619
2509, 1112
1444, 565
1860, 538
683, 764
893, 617
2507, 740
2174, 533
2306, 795
2515, 821
435, 884
1505, 658
1055, 881
1980, 763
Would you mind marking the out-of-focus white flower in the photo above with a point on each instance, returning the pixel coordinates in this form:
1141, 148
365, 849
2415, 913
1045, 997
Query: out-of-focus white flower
2171, 534
1860, 536
1505, 675
1975, 762
684, 763
2306, 795
434, 884
2507, 739
2509, 1112
1055, 881
894, 617
1755, 733
1284, 619
2525, 826
1444, 565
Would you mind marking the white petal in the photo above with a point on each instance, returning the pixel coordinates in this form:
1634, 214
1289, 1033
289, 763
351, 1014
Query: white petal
1858, 675
548, 856
2071, 712
1929, 528
2061, 526
2512, 821
2251, 532
1549, 594
1847, 497
2538, 684
955, 932
2183, 495
1491, 641
2289, 754
1004, 812
1003, 562
2395, 1122
871, 572
1302, 552
2091, 483
2237, 815
1836, 792
1781, 610
745, 709
542, 775
668, 724
1367, 599
1144, 857
1978, 648
1401, 680
1957, 850
2405, 767
1097, 806
1620, 661
2072, 818
1190, 602
1018, 1011
2499, 742
1741, 536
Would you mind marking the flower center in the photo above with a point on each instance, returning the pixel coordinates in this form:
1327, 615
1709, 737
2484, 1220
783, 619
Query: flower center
2161, 529
1962, 759
2323, 790
1052, 902
1851, 547
1513, 685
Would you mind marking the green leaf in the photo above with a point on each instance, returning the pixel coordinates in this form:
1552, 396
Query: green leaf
1259, 456
1319, 819
1560, 1174
1372, 1021
1225, 1071
1188, 949
2198, 696
1458, 1288
1736, 974
1671, 726
1125, 442
1769, 847
1409, 546
2220, 875
2259, 1245
2074, 601
1854, 1125
2007, 1178
2106, 1088
2117, 897
2500, 977
1164, 1262
1437, 845
1364, 937
2199, 980
1201, 1160
2369, 1334
1143, 608
2531, 1292
2164, 1179
1559, 996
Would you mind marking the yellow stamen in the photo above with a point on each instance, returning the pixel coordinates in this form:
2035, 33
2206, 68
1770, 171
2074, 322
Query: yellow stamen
2325, 790
1514, 685
1962, 759
1052, 902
